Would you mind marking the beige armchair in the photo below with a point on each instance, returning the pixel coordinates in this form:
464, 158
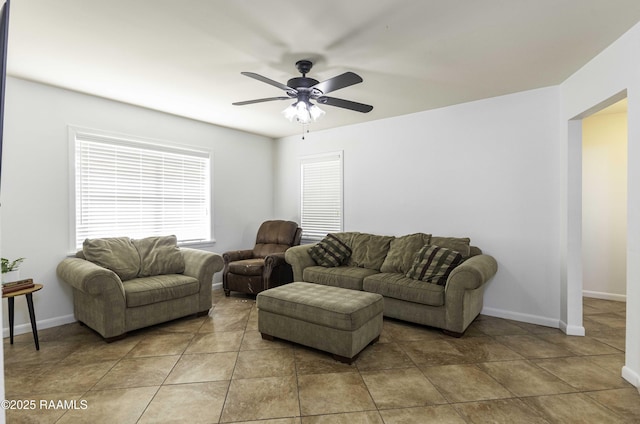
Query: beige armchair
254, 270
120, 285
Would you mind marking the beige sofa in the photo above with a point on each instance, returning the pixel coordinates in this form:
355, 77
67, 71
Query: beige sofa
120, 284
381, 264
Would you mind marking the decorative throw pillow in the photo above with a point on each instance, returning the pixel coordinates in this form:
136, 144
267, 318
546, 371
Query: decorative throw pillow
433, 264
330, 251
116, 253
159, 256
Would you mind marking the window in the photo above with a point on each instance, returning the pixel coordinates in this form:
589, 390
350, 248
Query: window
321, 195
134, 188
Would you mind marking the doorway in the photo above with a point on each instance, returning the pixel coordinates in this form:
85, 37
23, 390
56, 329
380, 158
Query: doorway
604, 224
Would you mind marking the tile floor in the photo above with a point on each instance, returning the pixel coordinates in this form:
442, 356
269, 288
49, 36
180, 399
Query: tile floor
218, 369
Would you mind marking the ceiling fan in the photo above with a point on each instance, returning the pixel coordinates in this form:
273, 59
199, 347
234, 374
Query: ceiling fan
303, 90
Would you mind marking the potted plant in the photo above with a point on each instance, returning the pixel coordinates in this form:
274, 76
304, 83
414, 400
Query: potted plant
11, 269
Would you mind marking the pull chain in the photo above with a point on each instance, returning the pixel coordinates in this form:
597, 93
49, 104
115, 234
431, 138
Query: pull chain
303, 130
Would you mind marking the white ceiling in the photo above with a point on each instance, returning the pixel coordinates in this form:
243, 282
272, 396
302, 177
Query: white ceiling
185, 57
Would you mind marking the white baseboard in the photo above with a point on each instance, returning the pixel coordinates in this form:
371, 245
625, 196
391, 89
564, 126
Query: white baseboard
572, 330
41, 325
517, 316
216, 286
604, 296
631, 376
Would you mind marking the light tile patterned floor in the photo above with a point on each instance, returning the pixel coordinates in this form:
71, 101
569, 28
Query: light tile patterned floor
218, 369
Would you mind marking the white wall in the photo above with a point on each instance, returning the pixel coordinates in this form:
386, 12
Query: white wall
35, 191
604, 206
610, 76
487, 169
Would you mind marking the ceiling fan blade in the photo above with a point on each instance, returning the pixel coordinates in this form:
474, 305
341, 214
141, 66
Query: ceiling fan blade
346, 104
336, 83
267, 99
268, 81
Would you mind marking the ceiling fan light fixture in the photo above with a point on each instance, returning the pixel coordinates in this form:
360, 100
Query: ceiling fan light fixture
315, 112
304, 89
303, 112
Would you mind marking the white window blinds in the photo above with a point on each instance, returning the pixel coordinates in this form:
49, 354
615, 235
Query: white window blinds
137, 189
321, 195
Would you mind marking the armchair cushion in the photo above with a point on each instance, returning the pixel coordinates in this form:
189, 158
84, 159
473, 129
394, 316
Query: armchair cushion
117, 254
433, 264
253, 266
159, 288
159, 256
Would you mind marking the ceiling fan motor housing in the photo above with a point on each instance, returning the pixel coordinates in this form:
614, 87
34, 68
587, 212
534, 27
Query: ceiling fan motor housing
301, 82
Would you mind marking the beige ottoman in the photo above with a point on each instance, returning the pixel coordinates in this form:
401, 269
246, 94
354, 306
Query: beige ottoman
332, 319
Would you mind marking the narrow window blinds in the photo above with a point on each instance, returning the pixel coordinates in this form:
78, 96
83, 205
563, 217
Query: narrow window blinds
321, 195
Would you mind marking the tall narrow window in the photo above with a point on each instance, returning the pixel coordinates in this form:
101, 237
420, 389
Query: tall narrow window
134, 188
321, 195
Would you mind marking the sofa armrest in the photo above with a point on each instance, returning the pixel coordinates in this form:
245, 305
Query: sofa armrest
236, 255
299, 259
88, 277
472, 273
464, 292
202, 264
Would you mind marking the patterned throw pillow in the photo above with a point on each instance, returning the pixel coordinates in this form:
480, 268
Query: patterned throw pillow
330, 252
433, 264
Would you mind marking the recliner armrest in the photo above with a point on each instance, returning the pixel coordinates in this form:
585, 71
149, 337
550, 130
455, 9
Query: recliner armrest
236, 255
273, 260
89, 277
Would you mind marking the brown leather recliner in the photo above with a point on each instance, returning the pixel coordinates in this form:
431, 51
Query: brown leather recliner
263, 267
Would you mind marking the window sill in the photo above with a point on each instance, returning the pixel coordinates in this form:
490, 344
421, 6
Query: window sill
198, 244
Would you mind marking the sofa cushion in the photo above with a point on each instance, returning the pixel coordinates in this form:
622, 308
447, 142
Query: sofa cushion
347, 277
402, 251
249, 267
159, 256
346, 237
330, 251
158, 288
115, 253
433, 264
459, 244
369, 250
397, 286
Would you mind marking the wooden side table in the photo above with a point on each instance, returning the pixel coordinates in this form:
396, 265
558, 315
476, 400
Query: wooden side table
32, 316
